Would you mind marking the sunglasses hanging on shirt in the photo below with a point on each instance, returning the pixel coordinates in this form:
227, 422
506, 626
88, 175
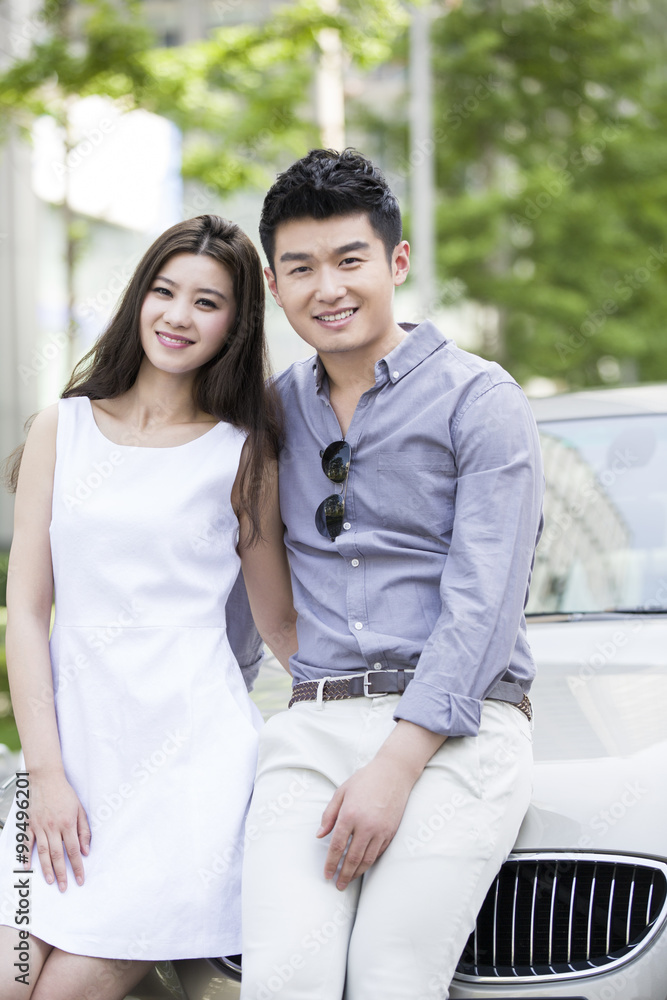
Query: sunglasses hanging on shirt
330, 514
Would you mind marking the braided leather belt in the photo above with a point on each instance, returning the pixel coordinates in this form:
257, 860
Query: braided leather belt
371, 684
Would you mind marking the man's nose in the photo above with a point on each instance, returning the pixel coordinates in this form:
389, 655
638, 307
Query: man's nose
330, 286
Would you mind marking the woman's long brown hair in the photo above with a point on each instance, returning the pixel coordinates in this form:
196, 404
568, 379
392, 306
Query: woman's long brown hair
232, 385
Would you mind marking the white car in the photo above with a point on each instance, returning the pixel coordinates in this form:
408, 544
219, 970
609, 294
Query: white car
579, 910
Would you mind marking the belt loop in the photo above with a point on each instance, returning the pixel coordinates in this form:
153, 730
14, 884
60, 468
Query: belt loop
319, 704
400, 680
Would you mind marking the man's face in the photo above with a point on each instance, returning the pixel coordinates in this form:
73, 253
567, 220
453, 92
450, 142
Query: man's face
334, 281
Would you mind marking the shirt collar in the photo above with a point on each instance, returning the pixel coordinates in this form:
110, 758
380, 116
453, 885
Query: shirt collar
422, 340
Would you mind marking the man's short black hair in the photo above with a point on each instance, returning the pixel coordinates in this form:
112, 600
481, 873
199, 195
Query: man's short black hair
326, 183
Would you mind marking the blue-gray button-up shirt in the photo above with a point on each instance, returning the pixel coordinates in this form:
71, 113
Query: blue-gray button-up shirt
442, 514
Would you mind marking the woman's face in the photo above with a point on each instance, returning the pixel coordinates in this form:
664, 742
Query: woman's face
187, 314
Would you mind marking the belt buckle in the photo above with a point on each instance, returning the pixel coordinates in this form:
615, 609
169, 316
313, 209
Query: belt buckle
367, 691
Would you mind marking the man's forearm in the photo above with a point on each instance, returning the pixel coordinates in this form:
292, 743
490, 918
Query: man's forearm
410, 747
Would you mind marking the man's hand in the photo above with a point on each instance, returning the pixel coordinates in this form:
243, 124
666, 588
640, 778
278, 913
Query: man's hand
368, 808
365, 812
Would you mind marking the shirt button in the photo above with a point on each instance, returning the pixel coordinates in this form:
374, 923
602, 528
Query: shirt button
358, 626
355, 562
347, 526
395, 374
377, 666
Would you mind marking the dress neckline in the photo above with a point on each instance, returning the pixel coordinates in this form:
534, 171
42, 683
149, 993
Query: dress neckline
146, 447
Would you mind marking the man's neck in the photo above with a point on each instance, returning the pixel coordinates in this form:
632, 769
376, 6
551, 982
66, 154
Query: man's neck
352, 373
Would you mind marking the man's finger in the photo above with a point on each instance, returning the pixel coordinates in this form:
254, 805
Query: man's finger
339, 841
330, 814
359, 858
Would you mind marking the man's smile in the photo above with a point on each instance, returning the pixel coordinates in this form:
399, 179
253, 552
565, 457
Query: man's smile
336, 317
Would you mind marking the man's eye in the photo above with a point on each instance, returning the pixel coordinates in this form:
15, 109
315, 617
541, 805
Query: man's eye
351, 260
300, 270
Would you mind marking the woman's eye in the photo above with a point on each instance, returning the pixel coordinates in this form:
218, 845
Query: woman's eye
206, 302
162, 291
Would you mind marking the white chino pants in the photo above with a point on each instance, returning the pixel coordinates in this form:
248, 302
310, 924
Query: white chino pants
398, 932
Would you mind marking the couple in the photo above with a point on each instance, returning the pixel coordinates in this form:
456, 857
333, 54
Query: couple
403, 477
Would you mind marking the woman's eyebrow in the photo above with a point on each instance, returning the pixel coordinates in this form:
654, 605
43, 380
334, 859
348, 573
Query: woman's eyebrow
170, 281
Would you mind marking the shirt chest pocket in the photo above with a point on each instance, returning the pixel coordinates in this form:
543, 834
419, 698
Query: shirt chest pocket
416, 495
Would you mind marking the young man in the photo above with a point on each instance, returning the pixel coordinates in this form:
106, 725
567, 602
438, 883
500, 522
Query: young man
411, 488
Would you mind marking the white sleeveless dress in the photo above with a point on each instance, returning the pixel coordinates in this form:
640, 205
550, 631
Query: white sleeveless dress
158, 733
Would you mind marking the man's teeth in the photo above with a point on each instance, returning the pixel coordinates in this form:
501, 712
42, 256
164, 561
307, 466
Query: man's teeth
336, 316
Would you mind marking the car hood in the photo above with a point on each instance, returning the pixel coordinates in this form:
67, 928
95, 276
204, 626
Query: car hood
600, 736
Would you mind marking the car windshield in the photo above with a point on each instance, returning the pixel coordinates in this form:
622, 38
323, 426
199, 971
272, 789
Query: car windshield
604, 545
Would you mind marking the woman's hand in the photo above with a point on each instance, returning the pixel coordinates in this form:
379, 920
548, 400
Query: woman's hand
58, 826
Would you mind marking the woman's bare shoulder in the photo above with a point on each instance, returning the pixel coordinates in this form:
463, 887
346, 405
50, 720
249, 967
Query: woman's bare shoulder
43, 428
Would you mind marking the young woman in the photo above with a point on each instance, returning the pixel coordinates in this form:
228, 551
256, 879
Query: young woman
138, 495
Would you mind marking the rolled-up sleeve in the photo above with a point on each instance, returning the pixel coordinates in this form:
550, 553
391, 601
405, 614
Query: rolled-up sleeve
484, 584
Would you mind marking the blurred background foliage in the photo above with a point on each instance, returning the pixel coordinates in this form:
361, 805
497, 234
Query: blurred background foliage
548, 136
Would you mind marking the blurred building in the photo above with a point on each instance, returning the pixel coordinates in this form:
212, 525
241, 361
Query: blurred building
576, 563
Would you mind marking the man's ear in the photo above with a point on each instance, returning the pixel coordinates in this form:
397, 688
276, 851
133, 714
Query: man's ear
273, 287
400, 262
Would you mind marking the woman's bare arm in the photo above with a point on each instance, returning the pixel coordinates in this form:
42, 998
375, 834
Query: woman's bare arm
267, 576
56, 815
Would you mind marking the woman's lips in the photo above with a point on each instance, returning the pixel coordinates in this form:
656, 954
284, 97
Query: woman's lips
172, 340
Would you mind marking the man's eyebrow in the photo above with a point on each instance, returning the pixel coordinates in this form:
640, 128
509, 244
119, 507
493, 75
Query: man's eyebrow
284, 258
349, 247
208, 291
346, 248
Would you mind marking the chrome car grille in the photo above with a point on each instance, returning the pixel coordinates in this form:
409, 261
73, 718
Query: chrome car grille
565, 915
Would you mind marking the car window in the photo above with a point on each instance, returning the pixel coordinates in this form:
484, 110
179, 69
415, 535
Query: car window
604, 544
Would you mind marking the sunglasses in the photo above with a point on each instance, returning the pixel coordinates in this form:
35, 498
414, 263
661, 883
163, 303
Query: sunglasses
330, 514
